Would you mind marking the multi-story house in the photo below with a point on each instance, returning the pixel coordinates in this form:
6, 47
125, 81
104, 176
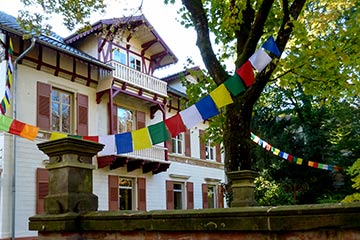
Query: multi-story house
100, 83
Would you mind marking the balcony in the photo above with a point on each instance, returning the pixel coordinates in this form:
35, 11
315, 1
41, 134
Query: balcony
139, 79
150, 159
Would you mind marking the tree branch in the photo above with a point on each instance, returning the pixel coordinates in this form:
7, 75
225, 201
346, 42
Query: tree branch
198, 16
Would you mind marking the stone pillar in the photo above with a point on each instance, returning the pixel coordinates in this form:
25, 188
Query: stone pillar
70, 175
243, 188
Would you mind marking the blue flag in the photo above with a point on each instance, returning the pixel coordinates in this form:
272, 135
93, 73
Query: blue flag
271, 46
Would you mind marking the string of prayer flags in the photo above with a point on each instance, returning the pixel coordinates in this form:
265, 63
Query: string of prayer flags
291, 158
175, 125
18, 128
271, 46
5, 102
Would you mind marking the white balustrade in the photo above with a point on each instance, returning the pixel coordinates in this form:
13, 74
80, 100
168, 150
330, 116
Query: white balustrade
155, 153
139, 79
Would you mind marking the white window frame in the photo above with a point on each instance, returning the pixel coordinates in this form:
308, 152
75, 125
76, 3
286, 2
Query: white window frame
61, 105
121, 52
179, 139
132, 120
214, 195
182, 191
134, 65
133, 192
210, 151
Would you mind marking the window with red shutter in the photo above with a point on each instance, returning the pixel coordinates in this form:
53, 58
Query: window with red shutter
187, 144
169, 195
190, 195
220, 197
218, 153
43, 106
42, 188
205, 195
140, 120
113, 189
82, 114
141, 187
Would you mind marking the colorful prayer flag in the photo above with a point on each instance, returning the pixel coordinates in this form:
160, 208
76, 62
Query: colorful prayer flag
191, 116
16, 127
246, 73
207, 107
29, 132
235, 85
91, 138
141, 139
57, 135
271, 46
260, 59
5, 123
221, 96
124, 142
158, 133
299, 161
109, 145
175, 125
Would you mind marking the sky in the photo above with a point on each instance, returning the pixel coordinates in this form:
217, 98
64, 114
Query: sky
162, 17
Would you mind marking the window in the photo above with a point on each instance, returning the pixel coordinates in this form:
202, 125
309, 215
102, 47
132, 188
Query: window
178, 144
119, 56
125, 193
135, 63
56, 110
178, 195
125, 120
211, 196
210, 151
61, 112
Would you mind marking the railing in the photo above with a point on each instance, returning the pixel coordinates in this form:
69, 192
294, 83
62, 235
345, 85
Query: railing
139, 79
156, 153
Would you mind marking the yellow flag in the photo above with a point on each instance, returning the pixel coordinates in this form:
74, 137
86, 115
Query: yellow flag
29, 132
221, 96
141, 139
299, 161
276, 151
57, 135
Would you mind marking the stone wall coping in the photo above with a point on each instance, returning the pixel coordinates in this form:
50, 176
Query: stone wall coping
280, 218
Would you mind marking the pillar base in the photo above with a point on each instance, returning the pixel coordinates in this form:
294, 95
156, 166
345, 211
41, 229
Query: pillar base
243, 188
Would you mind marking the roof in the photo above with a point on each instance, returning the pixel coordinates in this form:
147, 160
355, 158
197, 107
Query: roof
178, 75
151, 43
9, 24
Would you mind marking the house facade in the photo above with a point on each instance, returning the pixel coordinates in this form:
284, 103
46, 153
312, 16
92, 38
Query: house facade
97, 84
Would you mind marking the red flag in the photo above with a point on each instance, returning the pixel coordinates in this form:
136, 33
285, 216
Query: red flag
91, 138
175, 125
16, 127
246, 73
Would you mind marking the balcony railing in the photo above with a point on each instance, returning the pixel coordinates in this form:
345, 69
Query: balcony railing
156, 153
139, 79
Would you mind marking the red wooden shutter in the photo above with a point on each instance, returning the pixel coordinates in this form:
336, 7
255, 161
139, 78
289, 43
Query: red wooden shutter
140, 119
43, 106
141, 187
218, 153
205, 195
187, 144
202, 144
190, 195
82, 114
220, 197
113, 192
169, 195
114, 127
42, 188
